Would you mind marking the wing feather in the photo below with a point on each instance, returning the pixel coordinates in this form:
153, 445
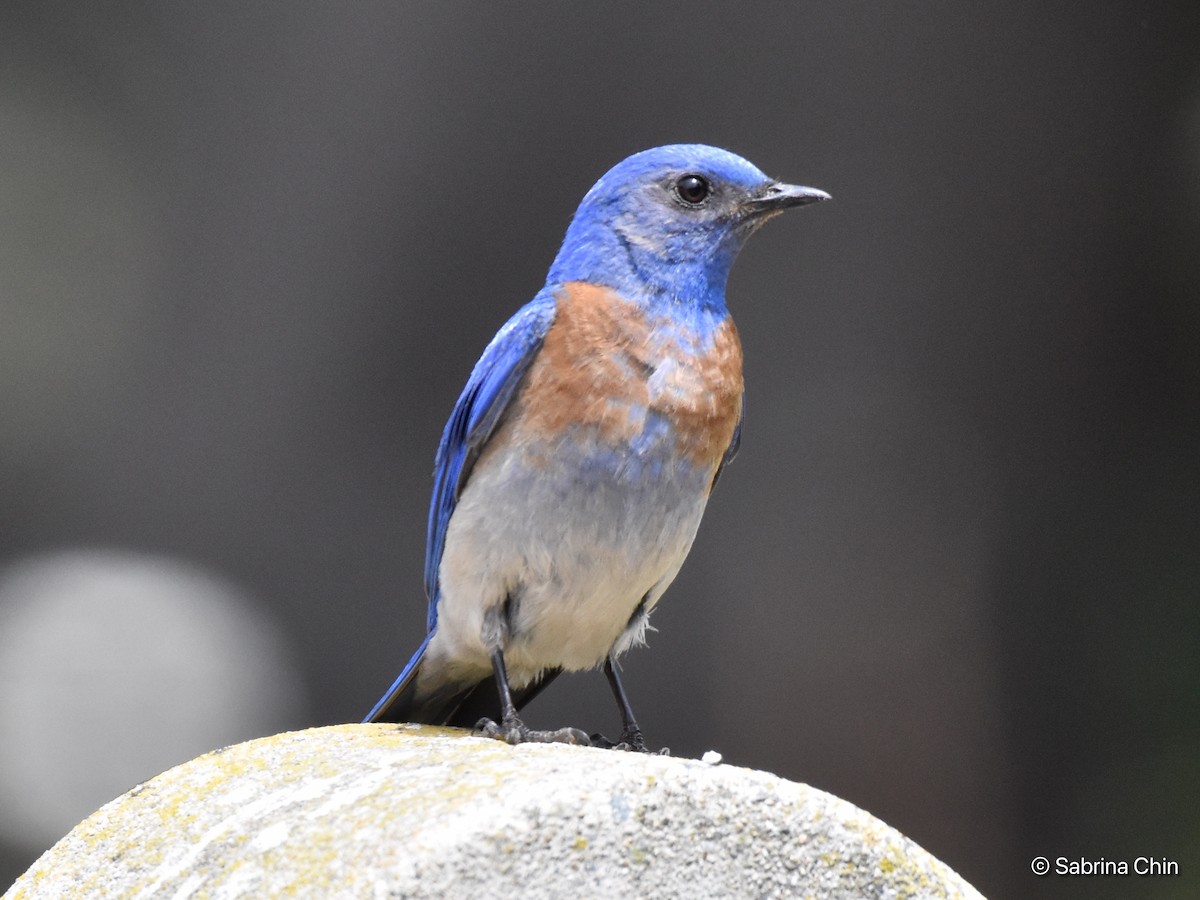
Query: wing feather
482, 404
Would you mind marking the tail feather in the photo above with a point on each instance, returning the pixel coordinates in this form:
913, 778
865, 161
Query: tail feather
453, 703
396, 704
482, 700
439, 700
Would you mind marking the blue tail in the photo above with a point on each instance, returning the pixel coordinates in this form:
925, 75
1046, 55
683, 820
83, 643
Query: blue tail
457, 704
396, 705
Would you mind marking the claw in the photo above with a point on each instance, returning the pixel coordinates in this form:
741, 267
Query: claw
631, 742
514, 731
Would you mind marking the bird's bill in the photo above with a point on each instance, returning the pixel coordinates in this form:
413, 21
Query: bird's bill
777, 196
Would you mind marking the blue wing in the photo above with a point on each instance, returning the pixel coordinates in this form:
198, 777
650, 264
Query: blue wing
492, 384
489, 390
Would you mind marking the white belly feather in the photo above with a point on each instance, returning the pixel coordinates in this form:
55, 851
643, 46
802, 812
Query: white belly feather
572, 553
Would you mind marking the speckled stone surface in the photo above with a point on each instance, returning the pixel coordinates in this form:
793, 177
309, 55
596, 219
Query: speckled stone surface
383, 811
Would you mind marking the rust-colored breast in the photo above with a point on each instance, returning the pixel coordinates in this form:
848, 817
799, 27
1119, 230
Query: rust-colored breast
702, 397
608, 368
589, 372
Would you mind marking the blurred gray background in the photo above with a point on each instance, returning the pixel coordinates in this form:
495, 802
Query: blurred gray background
248, 255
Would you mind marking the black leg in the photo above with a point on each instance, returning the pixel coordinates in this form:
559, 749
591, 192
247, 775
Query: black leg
508, 712
631, 735
511, 729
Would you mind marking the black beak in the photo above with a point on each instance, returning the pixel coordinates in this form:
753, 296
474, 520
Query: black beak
777, 196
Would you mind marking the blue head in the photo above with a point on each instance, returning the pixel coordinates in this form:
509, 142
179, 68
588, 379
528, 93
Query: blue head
666, 224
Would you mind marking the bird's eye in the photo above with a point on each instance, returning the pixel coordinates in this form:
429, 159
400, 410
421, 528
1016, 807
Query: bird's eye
693, 189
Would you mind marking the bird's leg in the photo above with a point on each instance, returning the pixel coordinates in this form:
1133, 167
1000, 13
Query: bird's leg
511, 729
631, 735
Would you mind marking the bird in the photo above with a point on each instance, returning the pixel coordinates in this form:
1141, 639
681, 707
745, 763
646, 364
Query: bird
573, 472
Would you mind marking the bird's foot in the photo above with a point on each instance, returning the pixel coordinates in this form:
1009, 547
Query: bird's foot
631, 741
514, 731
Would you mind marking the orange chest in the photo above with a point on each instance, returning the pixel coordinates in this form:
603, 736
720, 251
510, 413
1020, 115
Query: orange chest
608, 370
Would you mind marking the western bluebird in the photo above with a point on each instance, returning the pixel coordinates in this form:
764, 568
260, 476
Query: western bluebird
572, 475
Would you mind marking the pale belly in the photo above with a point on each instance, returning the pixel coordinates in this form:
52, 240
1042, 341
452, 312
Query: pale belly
561, 546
